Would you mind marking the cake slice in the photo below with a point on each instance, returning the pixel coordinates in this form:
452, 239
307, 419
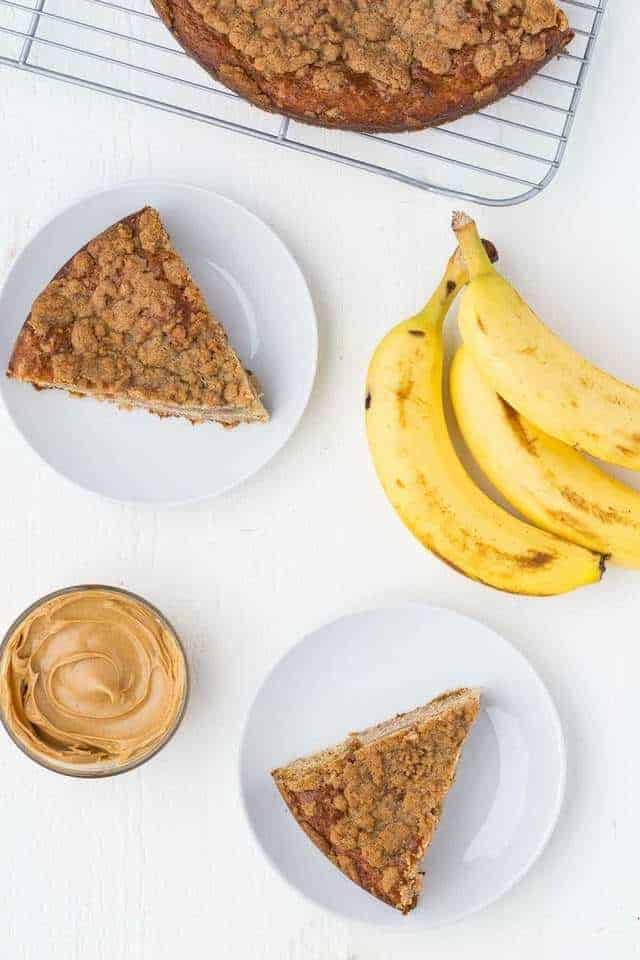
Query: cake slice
372, 804
124, 321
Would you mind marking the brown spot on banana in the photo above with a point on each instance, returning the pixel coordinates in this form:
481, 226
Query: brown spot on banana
568, 520
491, 250
605, 515
402, 395
450, 287
517, 427
488, 583
534, 560
404, 390
481, 325
367, 400
631, 444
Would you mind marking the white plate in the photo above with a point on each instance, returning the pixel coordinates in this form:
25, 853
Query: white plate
252, 284
366, 667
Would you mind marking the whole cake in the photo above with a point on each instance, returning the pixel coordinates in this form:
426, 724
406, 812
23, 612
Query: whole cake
372, 65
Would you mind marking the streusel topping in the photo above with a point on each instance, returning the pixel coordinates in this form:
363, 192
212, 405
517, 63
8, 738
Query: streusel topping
125, 317
374, 806
384, 39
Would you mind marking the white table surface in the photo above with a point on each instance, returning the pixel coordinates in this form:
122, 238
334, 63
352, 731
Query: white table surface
159, 864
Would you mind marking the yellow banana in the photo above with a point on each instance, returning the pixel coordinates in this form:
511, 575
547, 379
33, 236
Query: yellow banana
426, 483
550, 483
536, 372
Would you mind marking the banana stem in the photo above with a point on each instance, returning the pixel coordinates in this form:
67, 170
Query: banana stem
473, 251
454, 278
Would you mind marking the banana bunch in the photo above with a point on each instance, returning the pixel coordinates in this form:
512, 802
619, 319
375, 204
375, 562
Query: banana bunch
526, 405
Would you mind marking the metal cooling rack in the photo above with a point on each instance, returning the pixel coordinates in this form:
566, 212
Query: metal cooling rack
501, 155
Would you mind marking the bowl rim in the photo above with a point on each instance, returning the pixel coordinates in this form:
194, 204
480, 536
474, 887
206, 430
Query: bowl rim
97, 774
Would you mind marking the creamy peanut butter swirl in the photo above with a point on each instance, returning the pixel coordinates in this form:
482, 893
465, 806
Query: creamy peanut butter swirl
92, 679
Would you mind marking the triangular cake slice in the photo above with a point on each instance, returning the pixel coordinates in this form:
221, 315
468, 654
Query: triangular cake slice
124, 321
372, 803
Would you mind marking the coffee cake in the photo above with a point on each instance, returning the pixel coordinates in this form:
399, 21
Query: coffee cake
374, 65
123, 321
372, 803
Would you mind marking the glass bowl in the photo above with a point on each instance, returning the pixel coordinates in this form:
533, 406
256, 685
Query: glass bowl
105, 768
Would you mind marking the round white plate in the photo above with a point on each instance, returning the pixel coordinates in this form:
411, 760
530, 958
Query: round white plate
365, 668
252, 284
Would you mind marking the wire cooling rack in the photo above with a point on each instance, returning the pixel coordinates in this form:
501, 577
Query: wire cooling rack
504, 154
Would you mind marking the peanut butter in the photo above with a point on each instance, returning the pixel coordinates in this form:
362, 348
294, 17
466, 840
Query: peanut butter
92, 681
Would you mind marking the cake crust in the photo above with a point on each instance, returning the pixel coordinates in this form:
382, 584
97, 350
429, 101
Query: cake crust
372, 803
376, 66
124, 321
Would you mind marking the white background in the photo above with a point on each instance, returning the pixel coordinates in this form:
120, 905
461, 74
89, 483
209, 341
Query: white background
159, 864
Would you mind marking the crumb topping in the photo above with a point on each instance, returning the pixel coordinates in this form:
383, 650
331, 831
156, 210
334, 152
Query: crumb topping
374, 807
124, 318
387, 40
